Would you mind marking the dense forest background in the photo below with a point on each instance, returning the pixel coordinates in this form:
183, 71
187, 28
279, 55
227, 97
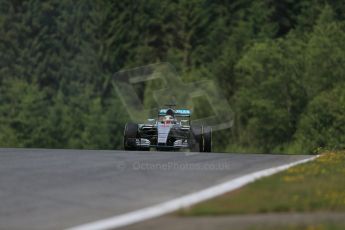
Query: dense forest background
280, 63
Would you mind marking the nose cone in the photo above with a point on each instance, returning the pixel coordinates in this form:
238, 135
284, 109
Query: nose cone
163, 132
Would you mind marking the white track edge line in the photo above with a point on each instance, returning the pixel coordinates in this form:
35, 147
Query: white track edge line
184, 201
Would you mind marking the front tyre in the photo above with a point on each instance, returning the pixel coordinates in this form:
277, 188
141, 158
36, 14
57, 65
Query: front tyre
207, 136
196, 138
129, 136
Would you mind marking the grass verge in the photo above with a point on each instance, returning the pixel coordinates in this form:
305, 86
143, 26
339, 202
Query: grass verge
315, 186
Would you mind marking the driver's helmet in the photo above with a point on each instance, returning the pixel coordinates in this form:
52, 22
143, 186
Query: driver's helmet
168, 119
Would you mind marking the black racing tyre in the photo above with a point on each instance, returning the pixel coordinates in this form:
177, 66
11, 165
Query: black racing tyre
129, 136
207, 136
196, 139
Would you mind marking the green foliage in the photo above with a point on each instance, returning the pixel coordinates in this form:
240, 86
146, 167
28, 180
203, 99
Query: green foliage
323, 123
280, 65
325, 54
24, 112
271, 95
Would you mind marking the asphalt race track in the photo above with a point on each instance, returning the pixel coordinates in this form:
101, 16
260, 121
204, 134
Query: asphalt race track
57, 189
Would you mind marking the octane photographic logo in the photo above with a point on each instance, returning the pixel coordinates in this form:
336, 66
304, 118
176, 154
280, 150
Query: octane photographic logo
170, 89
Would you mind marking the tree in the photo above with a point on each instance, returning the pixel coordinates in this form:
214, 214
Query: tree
22, 112
325, 54
271, 95
323, 123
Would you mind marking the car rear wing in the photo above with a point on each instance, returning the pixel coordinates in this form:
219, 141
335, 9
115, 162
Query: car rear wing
177, 112
183, 113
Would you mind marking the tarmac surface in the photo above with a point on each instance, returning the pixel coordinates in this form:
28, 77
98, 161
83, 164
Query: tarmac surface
58, 189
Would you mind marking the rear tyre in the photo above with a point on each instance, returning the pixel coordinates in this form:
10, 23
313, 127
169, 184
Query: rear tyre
129, 136
196, 138
207, 136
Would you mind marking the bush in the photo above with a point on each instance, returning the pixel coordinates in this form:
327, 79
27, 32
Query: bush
323, 123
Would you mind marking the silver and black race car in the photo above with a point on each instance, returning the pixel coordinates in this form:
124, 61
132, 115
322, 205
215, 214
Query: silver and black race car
171, 131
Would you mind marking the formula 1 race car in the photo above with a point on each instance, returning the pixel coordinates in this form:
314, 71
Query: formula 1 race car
171, 131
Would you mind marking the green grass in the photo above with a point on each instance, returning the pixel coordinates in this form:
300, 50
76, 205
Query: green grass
315, 186
319, 226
